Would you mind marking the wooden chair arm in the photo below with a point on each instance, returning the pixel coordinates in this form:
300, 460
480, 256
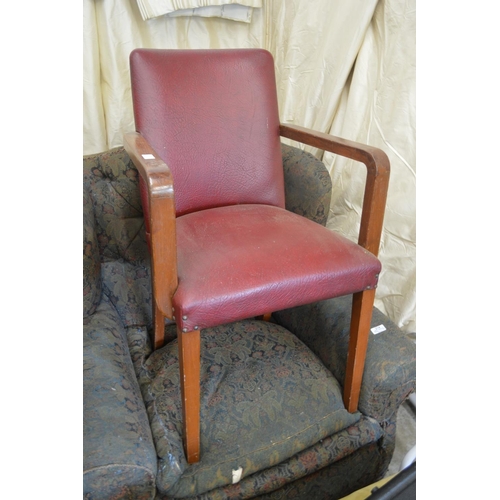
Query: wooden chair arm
377, 179
159, 182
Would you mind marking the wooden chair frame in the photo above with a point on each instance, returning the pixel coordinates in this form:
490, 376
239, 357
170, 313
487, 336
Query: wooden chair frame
159, 182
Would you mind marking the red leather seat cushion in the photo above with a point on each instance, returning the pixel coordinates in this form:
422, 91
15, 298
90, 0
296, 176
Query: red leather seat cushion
240, 261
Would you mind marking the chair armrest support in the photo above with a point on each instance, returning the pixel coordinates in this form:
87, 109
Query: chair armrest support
377, 180
161, 207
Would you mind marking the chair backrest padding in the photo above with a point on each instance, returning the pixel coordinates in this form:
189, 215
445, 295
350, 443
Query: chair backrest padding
212, 116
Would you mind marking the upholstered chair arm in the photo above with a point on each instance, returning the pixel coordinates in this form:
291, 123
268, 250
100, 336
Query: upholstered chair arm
92, 283
160, 215
377, 179
390, 369
308, 186
119, 456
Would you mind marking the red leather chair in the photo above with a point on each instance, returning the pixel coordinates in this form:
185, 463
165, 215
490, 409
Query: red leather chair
223, 247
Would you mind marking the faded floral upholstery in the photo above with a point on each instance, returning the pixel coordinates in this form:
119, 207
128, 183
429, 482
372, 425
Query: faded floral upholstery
387, 379
260, 383
307, 195
118, 449
256, 381
92, 285
113, 181
331, 459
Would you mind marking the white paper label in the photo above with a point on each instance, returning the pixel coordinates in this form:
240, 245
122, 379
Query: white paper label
148, 157
237, 474
378, 329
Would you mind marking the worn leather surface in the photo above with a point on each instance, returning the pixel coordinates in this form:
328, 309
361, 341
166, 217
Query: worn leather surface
217, 129
240, 261
308, 186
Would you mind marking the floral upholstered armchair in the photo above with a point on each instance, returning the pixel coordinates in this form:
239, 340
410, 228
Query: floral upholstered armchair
273, 422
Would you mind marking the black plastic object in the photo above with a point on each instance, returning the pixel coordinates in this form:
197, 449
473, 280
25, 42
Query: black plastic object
403, 486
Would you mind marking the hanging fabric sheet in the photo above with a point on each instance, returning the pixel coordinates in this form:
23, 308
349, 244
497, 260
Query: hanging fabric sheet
235, 10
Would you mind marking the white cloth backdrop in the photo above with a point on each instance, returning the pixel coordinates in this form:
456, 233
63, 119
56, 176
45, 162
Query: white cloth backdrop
346, 67
237, 10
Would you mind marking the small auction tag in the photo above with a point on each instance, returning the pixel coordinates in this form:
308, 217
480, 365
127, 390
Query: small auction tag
378, 329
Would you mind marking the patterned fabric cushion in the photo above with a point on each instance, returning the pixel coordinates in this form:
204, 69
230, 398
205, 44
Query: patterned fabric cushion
256, 380
351, 453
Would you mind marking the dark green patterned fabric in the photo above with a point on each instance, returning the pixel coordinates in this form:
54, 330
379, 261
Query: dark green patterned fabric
337, 465
283, 478
92, 284
337, 479
257, 383
389, 376
119, 458
308, 186
113, 180
128, 286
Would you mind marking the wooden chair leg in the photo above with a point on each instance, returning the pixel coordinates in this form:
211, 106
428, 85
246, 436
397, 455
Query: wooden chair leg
158, 327
362, 307
189, 363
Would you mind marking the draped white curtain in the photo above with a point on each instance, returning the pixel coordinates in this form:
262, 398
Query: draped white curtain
237, 10
346, 67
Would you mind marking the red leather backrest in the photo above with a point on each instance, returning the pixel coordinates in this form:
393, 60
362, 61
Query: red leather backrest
212, 116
